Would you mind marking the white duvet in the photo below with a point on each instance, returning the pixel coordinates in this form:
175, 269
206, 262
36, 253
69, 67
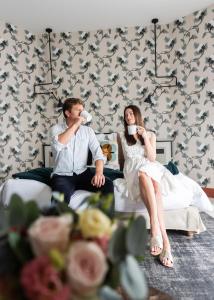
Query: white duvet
190, 194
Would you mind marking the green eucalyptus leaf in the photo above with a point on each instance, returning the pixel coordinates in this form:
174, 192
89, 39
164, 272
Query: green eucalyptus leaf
107, 293
8, 261
32, 212
132, 279
58, 196
136, 238
117, 245
14, 239
20, 246
112, 278
4, 223
107, 202
64, 208
106, 205
92, 200
140, 258
17, 211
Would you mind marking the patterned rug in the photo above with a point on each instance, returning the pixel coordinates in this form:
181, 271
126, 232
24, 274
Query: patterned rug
193, 274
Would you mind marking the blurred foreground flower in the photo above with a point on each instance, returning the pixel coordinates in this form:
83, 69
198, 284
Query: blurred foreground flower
61, 254
94, 223
50, 232
41, 281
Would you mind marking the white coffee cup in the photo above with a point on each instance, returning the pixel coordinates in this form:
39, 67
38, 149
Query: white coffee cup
132, 129
86, 115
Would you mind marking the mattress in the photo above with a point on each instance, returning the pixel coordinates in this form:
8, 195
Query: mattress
186, 219
179, 211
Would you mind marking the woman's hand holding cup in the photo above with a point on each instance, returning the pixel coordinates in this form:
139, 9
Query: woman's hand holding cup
133, 129
141, 131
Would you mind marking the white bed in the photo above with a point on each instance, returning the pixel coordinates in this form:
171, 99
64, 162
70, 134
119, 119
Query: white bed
189, 193
181, 210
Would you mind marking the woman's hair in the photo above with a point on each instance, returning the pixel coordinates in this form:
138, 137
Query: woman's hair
69, 103
138, 121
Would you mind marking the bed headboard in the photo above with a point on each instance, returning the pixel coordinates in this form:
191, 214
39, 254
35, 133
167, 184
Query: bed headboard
163, 150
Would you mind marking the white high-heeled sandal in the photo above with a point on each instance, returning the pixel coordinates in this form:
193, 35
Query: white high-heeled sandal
166, 254
156, 241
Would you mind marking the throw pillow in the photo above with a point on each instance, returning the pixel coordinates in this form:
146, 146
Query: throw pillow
38, 174
109, 145
171, 166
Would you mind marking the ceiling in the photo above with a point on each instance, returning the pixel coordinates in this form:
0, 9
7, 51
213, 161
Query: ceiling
74, 15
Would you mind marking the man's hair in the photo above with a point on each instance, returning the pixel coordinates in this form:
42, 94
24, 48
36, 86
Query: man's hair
69, 103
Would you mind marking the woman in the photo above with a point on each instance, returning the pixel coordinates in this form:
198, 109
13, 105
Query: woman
143, 176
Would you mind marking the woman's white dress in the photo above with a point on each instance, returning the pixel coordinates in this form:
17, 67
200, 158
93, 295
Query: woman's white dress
177, 191
135, 162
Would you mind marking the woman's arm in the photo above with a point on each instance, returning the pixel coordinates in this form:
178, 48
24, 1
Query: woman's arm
150, 146
150, 143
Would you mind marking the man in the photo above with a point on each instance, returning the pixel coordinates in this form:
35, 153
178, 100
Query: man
71, 142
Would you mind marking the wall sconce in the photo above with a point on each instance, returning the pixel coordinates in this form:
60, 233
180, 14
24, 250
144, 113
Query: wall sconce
149, 97
155, 21
59, 105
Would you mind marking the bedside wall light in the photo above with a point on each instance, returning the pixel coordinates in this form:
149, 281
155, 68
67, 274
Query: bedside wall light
155, 21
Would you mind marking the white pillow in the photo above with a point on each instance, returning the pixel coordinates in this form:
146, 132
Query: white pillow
108, 142
27, 190
40, 192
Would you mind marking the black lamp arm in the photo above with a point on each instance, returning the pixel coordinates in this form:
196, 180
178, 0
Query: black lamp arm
48, 30
155, 21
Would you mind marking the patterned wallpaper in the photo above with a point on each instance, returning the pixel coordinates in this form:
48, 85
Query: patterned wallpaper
110, 69
20, 125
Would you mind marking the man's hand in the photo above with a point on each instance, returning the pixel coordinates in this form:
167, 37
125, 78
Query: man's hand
98, 180
79, 120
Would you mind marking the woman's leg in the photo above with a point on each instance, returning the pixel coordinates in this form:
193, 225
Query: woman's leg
166, 244
149, 197
160, 211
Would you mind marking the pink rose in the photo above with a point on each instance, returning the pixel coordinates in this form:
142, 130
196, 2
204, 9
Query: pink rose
86, 267
103, 243
41, 281
48, 233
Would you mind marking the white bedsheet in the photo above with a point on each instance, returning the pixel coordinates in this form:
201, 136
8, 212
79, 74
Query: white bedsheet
35, 190
192, 194
27, 190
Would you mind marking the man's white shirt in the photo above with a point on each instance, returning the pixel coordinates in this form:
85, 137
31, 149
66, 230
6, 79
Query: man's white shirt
72, 157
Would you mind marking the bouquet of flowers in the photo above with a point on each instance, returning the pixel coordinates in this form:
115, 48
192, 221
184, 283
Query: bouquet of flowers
61, 254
